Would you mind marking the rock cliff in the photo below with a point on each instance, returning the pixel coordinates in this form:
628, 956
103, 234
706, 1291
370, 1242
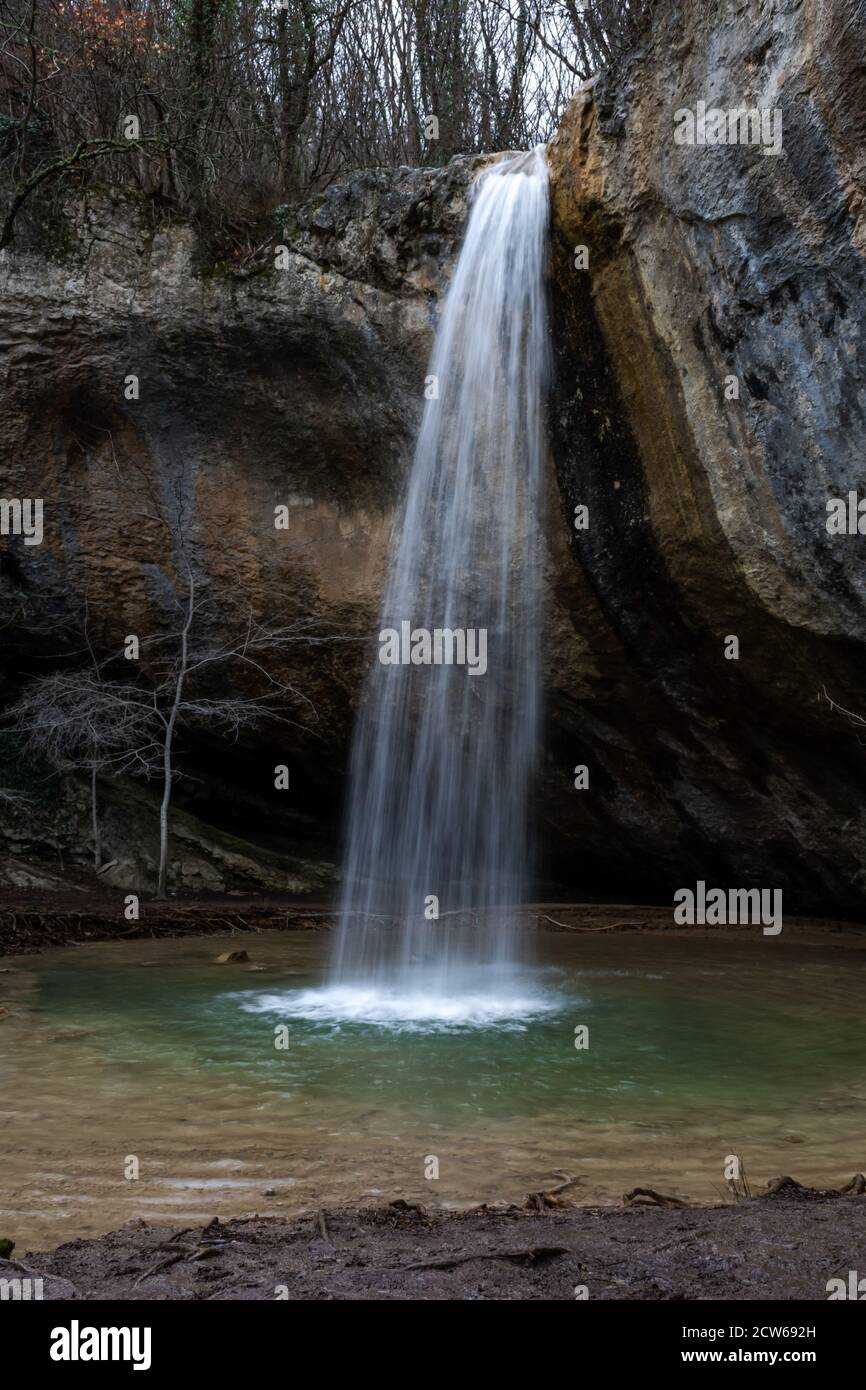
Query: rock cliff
709, 399
298, 386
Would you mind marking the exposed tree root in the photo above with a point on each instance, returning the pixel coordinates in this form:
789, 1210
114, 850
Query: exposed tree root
533, 1255
565, 926
548, 1197
160, 1264
648, 1197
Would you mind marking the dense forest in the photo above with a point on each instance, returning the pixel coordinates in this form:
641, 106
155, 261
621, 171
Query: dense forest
225, 109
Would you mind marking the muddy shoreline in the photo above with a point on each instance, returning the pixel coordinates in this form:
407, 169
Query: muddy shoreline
786, 1244
35, 921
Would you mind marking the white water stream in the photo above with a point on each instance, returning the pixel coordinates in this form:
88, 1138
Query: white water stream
445, 750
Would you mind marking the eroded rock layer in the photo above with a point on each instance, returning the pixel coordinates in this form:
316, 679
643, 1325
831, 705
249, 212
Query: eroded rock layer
299, 385
707, 265
710, 399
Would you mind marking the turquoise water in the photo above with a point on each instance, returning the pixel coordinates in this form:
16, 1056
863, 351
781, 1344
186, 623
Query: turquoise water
697, 1049
656, 1039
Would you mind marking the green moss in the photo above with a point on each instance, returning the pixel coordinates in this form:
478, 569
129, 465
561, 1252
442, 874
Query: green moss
227, 271
213, 270
57, 239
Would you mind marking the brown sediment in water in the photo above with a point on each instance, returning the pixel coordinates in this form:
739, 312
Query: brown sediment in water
784, 1245
86, 1087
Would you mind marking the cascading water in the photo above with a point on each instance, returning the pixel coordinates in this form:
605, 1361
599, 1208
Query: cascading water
444, 752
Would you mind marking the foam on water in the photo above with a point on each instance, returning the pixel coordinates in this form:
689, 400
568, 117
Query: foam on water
413, 1010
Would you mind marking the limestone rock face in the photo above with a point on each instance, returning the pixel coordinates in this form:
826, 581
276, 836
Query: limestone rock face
298, 386
710, 267
710, 399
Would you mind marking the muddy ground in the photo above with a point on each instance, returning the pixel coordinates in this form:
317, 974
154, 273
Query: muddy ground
44, 921
35, 920
783, 1246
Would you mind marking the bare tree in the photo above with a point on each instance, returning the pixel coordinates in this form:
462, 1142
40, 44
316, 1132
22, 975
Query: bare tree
83, 719
77, 719
857, 721
305, 41
12, 797
186, 669
242, 104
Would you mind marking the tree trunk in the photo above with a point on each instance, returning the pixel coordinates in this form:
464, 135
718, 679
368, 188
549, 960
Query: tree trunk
168, 744
163, 812
94, 811
202, 18
294, 54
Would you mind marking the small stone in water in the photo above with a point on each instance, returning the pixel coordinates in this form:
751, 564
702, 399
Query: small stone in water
232, 958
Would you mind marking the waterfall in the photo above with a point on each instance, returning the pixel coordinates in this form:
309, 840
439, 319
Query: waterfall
447, 737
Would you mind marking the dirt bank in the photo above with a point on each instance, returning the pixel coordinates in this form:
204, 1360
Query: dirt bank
36, 919
786, 1245
41, 921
